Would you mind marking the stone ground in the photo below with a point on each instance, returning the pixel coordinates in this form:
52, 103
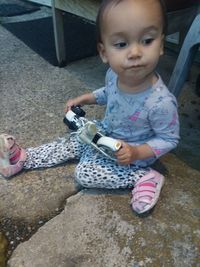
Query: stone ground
47, 219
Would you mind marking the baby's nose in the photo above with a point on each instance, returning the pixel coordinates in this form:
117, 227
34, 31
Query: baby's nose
134, 51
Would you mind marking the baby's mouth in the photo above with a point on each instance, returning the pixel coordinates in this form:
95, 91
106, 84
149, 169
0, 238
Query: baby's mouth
136, 66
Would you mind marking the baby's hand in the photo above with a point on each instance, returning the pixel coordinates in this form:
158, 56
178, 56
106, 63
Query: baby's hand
70, 103
126, 154
85, 99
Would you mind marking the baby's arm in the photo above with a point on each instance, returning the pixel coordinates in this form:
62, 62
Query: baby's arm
85, 99
165, 125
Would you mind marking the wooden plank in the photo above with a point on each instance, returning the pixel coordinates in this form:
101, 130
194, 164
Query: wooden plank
41, 2
84, 8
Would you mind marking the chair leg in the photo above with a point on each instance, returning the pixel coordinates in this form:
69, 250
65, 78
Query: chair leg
185, 58
58, 28
181, 70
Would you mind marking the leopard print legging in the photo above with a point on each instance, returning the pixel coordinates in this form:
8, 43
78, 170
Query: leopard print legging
94, 170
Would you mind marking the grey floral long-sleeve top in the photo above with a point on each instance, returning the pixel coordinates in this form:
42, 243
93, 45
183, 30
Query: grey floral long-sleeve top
149, 117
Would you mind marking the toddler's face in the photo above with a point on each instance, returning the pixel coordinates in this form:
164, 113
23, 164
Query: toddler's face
132, 39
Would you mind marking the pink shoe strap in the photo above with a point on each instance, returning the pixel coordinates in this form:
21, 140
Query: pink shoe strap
15, 154
151, 175
143, 194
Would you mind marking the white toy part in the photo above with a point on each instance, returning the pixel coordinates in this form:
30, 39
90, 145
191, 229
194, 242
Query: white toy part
72, 117
109, 142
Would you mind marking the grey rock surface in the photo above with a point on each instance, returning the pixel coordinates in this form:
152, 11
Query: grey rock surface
34, 115
97, 228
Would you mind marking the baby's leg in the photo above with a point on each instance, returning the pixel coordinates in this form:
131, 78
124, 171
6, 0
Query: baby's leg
96, 171
54, 153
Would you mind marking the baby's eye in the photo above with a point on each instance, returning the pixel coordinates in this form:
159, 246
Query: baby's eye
147, 41
120, 44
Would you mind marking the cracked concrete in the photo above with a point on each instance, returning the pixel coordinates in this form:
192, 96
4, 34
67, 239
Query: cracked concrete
96, 228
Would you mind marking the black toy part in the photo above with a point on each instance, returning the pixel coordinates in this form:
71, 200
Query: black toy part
79, 113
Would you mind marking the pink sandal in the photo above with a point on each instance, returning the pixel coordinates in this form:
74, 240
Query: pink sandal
146, 192
12, 156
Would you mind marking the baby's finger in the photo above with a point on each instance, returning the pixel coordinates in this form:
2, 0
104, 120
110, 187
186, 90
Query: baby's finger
67, 108
120, 156
123, 161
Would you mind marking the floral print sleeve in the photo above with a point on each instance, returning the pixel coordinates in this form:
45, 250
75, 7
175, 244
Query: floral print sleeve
101, 96
165, 124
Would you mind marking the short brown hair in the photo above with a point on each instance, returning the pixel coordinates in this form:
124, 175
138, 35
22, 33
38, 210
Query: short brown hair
106, 3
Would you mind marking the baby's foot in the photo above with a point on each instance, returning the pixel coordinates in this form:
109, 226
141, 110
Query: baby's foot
4, 154
12, 156
146, 192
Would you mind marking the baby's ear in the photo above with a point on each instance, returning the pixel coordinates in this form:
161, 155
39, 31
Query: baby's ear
102, 52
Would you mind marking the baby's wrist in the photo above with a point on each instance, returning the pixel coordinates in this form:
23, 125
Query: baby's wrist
143, 152
135, 153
